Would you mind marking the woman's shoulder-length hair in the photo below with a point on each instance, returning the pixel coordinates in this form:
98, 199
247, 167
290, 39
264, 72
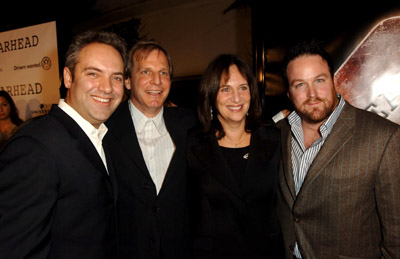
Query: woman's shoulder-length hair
216, 73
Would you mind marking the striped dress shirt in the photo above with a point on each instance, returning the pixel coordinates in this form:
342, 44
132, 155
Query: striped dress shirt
302, 158
155, 142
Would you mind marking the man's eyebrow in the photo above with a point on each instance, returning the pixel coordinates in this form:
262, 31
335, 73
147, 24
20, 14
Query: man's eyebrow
92, 68
301, 80
295, 81
99, 70
322, 74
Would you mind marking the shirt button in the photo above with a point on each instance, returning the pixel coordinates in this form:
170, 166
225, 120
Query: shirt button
297, 220
156, 209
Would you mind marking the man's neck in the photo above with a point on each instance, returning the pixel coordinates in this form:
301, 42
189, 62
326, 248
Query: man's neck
311, 132
147, 112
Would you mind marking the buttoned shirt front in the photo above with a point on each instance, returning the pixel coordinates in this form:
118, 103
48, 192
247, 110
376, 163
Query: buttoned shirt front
95, 135
155, 142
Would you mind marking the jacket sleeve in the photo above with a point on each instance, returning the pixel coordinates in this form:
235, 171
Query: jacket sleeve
28, 191
387, 191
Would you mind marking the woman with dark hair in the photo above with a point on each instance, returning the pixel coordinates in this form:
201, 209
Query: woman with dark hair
9, 120
233, 165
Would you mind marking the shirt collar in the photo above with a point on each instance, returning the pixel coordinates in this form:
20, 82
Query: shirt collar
86, 126
295, 120
139, 119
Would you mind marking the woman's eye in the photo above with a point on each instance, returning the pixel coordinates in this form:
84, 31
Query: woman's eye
244, 87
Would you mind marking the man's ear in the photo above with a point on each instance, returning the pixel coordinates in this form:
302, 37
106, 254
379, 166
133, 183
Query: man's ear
67, 77
128, 83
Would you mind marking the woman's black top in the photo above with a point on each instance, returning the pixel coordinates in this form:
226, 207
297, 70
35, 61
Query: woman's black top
236, 158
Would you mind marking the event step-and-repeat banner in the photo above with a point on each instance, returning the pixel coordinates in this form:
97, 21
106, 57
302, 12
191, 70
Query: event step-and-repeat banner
29, 68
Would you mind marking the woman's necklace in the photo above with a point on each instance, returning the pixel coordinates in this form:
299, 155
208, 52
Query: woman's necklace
241, 139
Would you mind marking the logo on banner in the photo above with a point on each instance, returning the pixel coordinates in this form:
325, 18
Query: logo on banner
42, 109
45, 63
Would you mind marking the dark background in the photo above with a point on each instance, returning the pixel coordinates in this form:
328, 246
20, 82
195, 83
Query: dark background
276, 25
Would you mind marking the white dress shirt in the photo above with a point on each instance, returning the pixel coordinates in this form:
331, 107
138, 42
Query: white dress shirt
155, 142
95, 135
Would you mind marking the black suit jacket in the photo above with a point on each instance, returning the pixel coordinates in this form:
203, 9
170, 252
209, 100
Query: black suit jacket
56, 198
234, 220
150, 225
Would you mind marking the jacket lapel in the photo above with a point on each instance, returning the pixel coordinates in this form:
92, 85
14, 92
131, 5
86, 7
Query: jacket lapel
122, 128
82, 141
178, 136
111, 173
209, 154
343, 129
286, 164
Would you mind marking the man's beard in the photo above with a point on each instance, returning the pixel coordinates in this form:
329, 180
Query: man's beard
317, 115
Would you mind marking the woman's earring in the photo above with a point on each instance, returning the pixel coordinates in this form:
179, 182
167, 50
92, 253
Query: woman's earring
211, 111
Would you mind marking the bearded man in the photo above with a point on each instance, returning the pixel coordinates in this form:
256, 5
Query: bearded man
340, 172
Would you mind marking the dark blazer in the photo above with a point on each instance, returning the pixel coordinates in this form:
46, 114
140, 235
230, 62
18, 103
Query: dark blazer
56, 198
150, 225
234, 220
349, 203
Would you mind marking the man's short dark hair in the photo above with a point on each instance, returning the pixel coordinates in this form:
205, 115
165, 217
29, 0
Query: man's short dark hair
306, 48
84, 39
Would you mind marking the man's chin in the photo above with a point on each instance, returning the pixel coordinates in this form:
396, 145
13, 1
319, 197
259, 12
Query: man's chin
314, 120
314, 117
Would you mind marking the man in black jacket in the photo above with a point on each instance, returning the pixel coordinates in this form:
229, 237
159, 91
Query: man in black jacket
147, 143
57, 187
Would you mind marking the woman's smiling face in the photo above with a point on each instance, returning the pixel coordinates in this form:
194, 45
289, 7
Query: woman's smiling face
233, 99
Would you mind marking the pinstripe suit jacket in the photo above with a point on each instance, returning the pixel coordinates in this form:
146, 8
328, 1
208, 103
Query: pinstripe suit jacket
349, 203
